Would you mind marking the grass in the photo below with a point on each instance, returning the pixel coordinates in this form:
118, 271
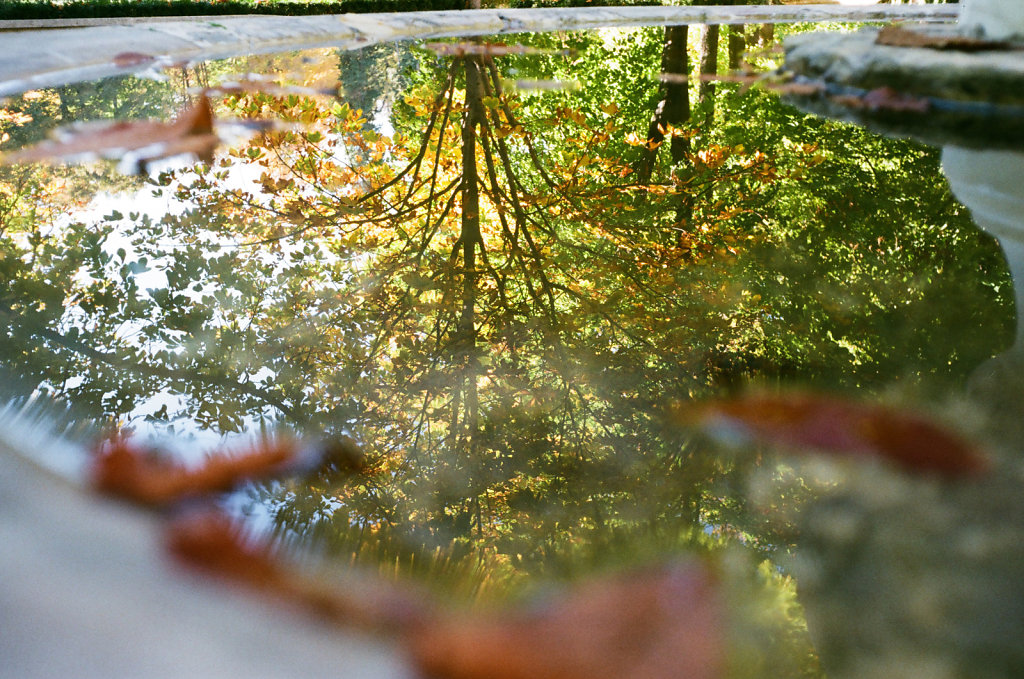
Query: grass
83, 9
91, 9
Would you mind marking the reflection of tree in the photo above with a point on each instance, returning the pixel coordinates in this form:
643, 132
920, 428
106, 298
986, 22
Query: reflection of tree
500, 309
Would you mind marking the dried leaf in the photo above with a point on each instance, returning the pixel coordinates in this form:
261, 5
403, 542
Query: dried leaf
461, 49
879, 99
123, 469
888, 99
130, 59
659, 624
663, 624
800, 89
841, 427
256, 85
191, 132
848, 100
215, 544
897, 36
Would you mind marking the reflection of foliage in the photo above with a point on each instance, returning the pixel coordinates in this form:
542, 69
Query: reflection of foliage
121, 98
500, 311
370, 76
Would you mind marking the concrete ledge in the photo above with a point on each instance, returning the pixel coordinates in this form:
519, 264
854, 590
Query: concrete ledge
30, 24
945, 96
55, 56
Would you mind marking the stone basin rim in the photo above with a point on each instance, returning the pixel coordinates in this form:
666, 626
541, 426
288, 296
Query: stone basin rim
49, 56
973, 99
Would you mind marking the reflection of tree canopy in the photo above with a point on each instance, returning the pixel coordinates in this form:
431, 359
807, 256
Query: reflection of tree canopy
501, 300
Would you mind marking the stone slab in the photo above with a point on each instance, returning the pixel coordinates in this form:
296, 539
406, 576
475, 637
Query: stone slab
39, 58
968, 98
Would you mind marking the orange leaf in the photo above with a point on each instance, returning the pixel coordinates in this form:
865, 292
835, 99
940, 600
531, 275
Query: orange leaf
125, 470
663, 624
129, 59
213, 543
191, 132
842, 427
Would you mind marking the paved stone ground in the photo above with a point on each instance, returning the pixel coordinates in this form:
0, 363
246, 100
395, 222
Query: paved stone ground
37, 58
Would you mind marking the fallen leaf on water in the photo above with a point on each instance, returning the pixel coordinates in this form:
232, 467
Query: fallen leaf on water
260, 86
124, 469
461, 49
842, 427
885, 99
891, 100
658, 624
662, 623
214, 543
129, 59
191, 132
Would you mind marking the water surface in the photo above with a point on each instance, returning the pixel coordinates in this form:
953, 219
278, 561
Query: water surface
507, 271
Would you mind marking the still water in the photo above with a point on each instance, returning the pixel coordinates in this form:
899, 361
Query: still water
506, 278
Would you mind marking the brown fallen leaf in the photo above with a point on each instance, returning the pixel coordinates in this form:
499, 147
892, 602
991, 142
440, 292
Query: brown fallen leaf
659, 624
123, 469
461, 49
897, 36
214, 543
663, 623
130, 59
817, 422
886, 98
191, 132
258, 86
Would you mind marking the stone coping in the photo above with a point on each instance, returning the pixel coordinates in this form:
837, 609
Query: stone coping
55, 56
29, 24
941, 96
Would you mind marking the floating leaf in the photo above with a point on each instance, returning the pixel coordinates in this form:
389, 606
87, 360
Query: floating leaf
125, 470
665, 623
191, 132
660, 624
841, 427
130, 59
885, 99
212, 542
461, 49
